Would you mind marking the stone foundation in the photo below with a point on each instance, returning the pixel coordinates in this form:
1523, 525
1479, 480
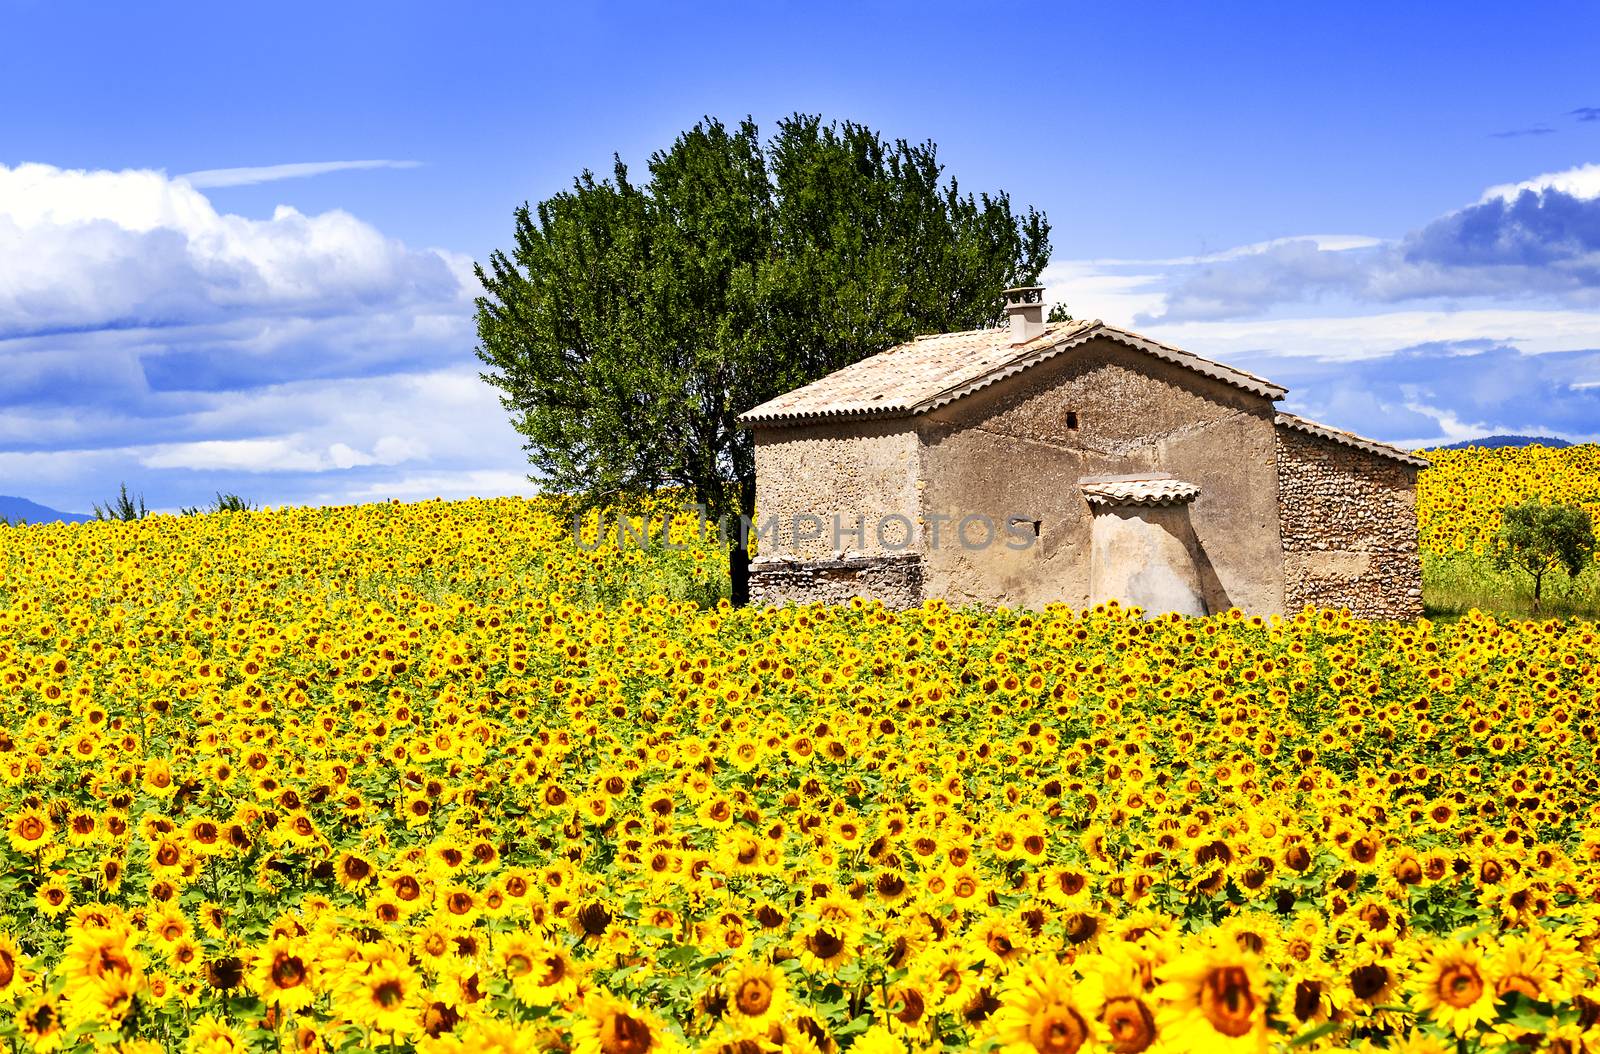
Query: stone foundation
1348, 519
895, 580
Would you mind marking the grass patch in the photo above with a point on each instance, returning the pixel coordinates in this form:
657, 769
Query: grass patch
1455, 585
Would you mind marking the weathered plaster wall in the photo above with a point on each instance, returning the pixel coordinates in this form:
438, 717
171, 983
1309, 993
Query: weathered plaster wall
1009, 450
1349, 527
1145, 555
838, 471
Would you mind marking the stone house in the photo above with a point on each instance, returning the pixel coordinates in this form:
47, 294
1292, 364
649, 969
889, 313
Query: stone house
1073, 462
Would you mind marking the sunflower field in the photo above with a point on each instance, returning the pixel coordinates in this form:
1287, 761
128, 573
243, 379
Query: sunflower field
433, 777
1459, 501
1460, 497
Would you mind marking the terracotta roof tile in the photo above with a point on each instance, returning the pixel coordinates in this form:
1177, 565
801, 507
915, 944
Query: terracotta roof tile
1154, 489
929, 372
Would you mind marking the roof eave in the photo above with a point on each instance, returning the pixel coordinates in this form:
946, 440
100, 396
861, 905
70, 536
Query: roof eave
1074, 338
1258, 386
813, 416
1350, 439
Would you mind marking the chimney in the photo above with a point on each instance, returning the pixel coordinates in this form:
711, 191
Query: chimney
1025, 305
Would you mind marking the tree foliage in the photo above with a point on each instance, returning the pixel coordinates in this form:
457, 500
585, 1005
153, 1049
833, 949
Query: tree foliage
631, 323
229, 502
123, 507
1538, 538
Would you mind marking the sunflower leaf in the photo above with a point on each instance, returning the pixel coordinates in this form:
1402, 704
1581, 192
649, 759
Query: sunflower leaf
1324, 1029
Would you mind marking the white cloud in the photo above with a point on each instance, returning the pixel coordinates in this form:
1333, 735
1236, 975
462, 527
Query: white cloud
1090, 292
436, 433
1582, 183
447, 416
475, 483
295, 453
1331, 243
1505, 248
1128, 291
146, 336
85, 249
242, 455
23, 468
1451, 428
1326, 243
1370, 335
243, 177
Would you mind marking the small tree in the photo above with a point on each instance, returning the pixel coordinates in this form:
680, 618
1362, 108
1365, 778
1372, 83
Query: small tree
1537, 538
122, 507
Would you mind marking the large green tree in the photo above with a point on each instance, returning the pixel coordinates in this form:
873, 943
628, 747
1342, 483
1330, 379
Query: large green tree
631, 323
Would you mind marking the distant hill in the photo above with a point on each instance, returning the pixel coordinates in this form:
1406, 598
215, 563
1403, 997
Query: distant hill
17, 509
1499, 441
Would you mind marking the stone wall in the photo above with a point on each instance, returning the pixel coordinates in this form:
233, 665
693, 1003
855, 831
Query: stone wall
1349, 527
895, 580
836, 490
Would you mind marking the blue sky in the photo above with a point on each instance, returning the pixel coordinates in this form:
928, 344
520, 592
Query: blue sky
1387, 210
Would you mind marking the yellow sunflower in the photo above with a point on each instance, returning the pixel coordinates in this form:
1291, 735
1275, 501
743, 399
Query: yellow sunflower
353, 870
1450, 985
1213, 1000
757, 994
386, 998
94, 953
612, 1026
878, 1039
1116, 983
1042, 1011
823, 947
29, 830
285, 974
542, 972
1523, 964
212, 1035
13, 967
39, 1021
106, 1000
52, 898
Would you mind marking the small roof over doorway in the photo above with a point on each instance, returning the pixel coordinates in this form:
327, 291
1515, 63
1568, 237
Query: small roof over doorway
1150, 488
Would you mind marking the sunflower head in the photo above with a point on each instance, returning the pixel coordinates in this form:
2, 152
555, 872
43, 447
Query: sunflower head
611, 1026
1040, 1011
1452, 986
1218, 992
756, 993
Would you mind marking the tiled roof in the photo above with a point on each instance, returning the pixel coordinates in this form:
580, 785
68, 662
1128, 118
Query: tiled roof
929, 372
1152, 489
1350, 439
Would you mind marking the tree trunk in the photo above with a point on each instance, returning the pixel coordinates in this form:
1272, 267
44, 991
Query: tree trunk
739, 553
739, 575
1538, 584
